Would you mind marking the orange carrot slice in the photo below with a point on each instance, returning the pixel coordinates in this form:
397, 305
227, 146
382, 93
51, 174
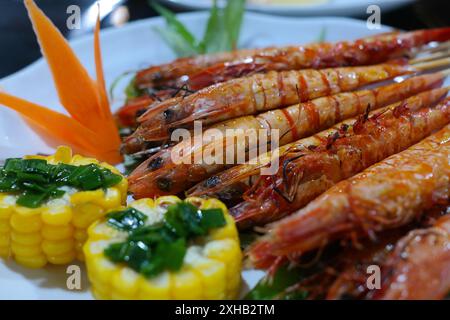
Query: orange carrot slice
77, 91
92, 127
105, 111
104, 105
63, 128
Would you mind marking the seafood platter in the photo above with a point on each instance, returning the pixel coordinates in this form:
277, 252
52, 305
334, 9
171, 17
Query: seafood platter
281, 169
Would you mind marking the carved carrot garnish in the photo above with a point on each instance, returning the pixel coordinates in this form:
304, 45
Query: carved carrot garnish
90, 128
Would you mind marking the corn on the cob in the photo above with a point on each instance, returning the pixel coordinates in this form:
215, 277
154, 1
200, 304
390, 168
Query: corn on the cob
55, 231
211, 268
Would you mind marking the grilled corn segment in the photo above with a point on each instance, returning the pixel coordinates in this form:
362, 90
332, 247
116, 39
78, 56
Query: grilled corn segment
211, 268
55, 231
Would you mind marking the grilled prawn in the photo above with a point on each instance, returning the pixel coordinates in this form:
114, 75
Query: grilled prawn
312, 165
293, 123
202, 71
387, 195
421, 257
250, 95
419, 267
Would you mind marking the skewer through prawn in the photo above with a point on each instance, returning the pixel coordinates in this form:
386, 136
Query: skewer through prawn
159, 174
258, 93
314, 164
202, 71
390, 194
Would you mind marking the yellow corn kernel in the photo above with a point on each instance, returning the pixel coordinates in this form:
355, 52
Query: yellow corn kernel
186, 284
4, 226
112, 199
62, 259
5, 252
27, 239
102, 231
5, 240
60, 247
157, 288
99, 266
25, 251
101, 294
5, 208
57, 214
80, 235
125, 283
86, 196
211, 269
212, 273
62, 155
26, 223
227, 232
228, 252
87, 213
34, 262
55, 232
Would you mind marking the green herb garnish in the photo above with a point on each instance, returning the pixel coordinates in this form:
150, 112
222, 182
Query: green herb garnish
322, 35
35, 181
127, 220
273, 287
132, 91
221, 33
151, 249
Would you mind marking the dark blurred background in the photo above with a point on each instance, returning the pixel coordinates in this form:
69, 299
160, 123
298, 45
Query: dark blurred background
19, 48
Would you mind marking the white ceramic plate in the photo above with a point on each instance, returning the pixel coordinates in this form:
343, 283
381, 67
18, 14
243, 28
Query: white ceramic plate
302, 7
124, 49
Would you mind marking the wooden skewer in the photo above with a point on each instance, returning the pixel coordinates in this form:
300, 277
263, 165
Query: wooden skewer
436, 55
433, 49
150, 151
423, 66
445, 72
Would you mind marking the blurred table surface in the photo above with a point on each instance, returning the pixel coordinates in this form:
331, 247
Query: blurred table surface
19, 47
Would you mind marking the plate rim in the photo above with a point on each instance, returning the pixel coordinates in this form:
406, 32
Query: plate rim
299, 8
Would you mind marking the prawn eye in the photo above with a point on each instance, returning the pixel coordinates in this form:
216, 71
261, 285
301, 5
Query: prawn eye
156, 163
164, 184
344, 127
212, 182
140, 112
168, 115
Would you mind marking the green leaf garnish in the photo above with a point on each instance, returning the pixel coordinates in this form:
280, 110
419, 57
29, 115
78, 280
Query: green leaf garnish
152, 249
322, 35
131, 90
234, 13
127, 219
212, 218
35, 181
177, 36
214, 39
221, 32
270, 288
